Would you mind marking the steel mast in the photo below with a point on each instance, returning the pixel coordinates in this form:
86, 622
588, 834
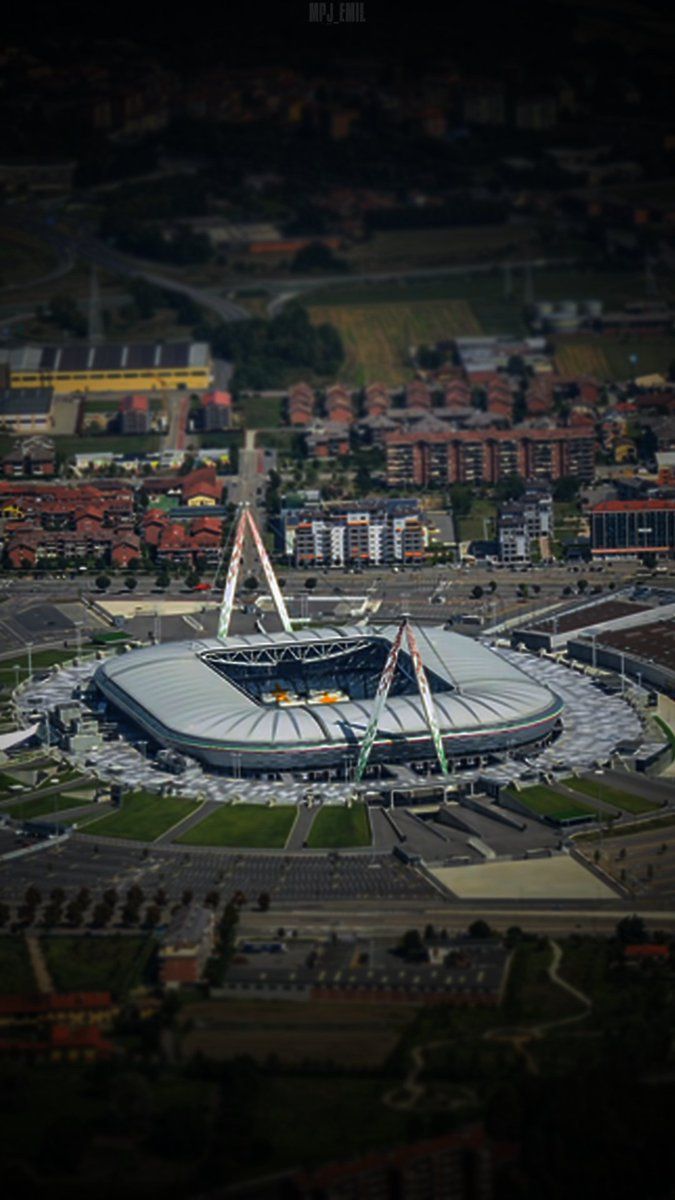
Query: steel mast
245, 523
404, 629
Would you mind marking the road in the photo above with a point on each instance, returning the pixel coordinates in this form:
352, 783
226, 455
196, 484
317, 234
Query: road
321, 920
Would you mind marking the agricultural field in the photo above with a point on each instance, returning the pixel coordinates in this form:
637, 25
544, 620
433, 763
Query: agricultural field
403, 249
337, 827
595, 789
143, 816
108, 963
546, 803
248, 825
610, 358
377, 336
354, 1034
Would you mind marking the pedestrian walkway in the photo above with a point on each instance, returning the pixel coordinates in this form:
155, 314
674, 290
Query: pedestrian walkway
43, 980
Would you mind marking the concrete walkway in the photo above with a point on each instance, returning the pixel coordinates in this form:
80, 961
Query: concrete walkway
43, 979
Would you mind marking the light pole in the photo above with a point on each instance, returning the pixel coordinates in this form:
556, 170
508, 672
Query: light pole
29, 649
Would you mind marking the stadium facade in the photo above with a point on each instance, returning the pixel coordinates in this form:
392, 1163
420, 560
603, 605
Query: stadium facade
304, 699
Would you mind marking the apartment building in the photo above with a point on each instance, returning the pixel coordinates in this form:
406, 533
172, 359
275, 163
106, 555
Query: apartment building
485, 457
632, 528
367, 534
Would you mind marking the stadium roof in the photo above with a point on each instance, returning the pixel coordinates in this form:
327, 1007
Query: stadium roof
173, 690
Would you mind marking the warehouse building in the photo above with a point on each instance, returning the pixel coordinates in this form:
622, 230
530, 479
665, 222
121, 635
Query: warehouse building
125, 367
25, 410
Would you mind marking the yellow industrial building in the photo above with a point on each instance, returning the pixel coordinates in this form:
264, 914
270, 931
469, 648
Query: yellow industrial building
120, 367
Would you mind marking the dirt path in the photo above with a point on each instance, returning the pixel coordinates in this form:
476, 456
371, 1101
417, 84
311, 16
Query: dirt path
413, 1090
43, 979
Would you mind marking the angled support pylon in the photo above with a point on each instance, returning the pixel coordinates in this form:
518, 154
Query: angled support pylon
246, 522
383, 691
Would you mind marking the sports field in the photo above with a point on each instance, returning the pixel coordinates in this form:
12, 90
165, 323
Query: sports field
377, 337
143, 816
546, 803
595, 789
336, 827
243, 825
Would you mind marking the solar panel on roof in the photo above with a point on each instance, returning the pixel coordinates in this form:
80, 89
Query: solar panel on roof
140, 356
107, 358
74, 358
175, 355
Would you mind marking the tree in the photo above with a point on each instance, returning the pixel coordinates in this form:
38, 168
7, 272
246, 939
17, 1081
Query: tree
74, 914
251, 583
152, 916
187, 897
311, 583
110, 897
479, 929
212, 899
192, 579
32, 897
135, 896
566, 488
477, 592
264, 901
130, 583
511, 487
162, 581
101, 916
582, 584
631, 930
411, 944
102, 582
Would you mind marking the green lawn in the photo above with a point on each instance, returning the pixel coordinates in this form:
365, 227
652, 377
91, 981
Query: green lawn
243, 825
547, 803
480, 523
43, 806
339, 826
69, 445
144, 816
16, 973
109, 963
261, 412
41, 660
595, 789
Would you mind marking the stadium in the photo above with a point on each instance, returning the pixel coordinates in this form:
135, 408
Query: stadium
307, 699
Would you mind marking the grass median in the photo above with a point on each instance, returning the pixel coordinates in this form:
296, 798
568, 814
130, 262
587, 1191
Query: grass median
595, 789
246, 825
143, 816
338, 826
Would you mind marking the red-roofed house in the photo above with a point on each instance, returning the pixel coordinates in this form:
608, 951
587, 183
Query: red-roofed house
126, 549
134, 414
201, 488
216, 411
152, 525
173, 545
